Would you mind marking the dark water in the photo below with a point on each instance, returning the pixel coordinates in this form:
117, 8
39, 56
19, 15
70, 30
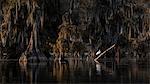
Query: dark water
74, 71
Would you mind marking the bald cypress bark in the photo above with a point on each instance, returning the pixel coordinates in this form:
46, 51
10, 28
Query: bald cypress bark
32, 26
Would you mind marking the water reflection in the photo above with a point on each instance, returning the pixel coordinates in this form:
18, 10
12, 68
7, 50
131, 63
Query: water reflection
98, 69
74, 71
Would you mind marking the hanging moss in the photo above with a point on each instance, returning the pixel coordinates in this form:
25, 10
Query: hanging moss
96, 23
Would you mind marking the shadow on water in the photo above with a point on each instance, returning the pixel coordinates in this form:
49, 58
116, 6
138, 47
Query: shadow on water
73, 71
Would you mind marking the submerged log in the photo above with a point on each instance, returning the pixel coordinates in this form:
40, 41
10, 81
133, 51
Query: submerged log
104, 52
87, 22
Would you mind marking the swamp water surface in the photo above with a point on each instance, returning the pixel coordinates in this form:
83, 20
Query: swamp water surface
74, 71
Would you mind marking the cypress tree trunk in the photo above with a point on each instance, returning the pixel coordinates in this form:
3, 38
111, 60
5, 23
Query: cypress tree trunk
29, 26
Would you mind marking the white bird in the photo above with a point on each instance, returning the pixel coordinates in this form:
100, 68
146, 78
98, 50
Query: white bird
98, 52
121, 31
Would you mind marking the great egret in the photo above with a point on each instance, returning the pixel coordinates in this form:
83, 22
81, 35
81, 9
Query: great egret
98, 52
